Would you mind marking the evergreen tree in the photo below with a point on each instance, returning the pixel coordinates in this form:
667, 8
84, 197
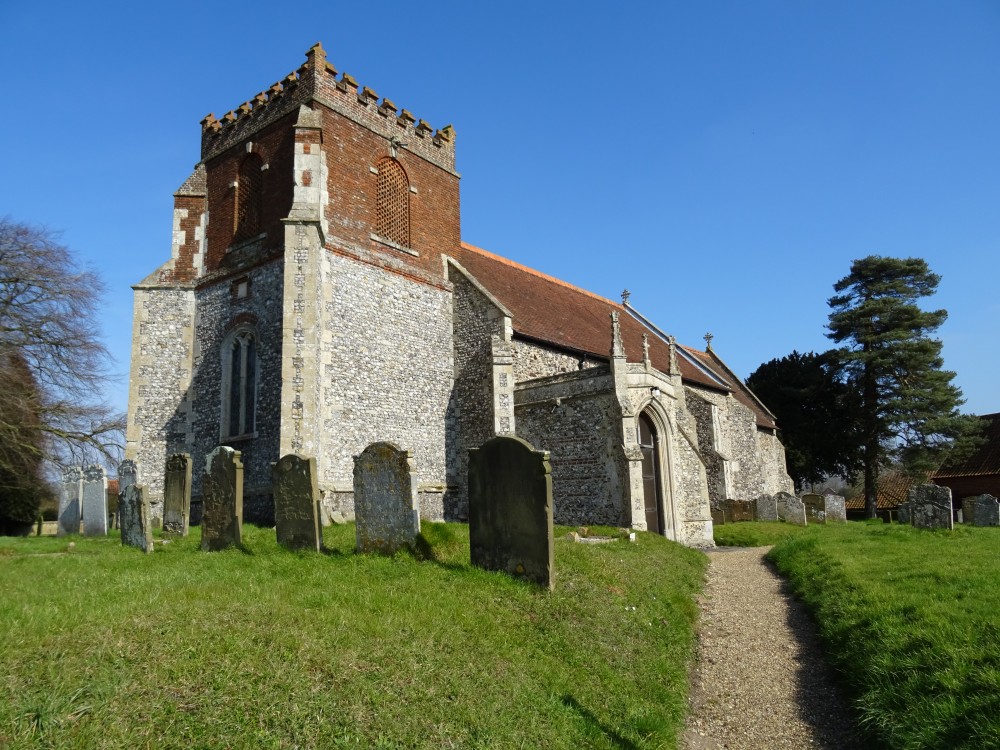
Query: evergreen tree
908, 404
816, 412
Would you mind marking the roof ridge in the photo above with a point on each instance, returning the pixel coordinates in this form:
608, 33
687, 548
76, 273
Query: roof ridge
535, 272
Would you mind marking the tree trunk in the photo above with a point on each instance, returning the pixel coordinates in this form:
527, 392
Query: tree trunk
871, 436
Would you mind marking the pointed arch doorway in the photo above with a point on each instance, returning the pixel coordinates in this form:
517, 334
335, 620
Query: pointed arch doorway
652, 491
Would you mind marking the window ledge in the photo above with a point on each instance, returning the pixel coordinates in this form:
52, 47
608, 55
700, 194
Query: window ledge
394, 245
238, 438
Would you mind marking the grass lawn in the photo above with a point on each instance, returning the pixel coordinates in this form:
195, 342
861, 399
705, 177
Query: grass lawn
756, 534
911, 620
104, 647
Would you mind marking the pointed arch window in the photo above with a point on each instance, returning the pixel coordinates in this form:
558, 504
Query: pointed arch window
239, 384
249, 188
392, 203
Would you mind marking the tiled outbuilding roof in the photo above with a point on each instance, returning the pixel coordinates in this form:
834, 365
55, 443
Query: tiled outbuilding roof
893, 490
556, 313
985, 461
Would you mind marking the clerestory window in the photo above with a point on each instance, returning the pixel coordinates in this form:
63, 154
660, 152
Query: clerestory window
392, 204
249, 187
239, 384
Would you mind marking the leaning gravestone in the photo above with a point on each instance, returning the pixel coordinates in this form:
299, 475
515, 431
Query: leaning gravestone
222, 496
136, 528
177, 495
69, 501
815, 507
836, 509
985, 511
386, 509
795, 511
296, 500
930, 507
95, 501
767, 508
510, 509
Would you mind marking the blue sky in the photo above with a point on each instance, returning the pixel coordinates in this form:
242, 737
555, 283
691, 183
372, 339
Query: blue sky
724, 161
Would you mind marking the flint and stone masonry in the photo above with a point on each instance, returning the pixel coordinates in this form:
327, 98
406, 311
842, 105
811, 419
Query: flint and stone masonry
330, 304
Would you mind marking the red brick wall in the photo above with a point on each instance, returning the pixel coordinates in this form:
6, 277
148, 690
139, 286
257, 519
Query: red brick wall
184, 269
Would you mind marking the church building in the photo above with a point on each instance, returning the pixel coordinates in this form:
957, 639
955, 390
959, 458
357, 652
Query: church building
319, 298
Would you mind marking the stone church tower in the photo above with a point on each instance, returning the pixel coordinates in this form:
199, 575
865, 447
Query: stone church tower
319, 298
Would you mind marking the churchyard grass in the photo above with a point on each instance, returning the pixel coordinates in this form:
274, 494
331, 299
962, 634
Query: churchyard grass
911, 620
755, 533
105, 647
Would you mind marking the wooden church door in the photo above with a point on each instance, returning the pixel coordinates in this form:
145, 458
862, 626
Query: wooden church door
649, 443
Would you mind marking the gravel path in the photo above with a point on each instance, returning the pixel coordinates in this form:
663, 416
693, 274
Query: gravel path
759, 681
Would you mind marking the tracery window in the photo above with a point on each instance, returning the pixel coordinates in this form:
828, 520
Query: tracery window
249, 187
392, 203
239, 383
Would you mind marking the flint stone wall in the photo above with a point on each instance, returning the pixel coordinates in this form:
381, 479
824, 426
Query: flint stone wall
136, 523
510, 510
930, 507
387, 516
296, 503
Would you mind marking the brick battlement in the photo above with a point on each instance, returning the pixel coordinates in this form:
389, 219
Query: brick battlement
317, 81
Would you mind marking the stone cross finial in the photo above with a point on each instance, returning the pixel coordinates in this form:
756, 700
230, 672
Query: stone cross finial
625, 295
617, 348
708, 341
645, 349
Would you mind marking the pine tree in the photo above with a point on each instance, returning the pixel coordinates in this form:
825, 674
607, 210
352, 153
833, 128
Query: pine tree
908, 404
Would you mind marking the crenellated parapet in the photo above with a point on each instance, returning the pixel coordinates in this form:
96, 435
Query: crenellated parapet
317, 81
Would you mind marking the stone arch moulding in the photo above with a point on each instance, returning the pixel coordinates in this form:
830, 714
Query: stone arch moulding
240, 368
668, 506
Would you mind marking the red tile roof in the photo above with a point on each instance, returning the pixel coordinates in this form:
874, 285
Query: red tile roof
893, 489
552, 311
985, 461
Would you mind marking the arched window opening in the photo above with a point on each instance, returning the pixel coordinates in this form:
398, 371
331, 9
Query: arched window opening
248, 198
392, 203
239, 385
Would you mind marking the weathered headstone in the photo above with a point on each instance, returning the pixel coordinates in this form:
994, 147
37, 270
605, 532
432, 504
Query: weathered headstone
930, 507
69, 501
510, 509
985, 511
128, 474
836, 509
718, 516
781, 503
767, 508
815, 506
967, 511
296, 502
95, 501
386, 509
903, 513
136, 528
740, 510
222, 496
795, 511
177, 495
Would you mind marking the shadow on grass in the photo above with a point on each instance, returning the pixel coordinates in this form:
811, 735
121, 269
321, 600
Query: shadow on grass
616, 739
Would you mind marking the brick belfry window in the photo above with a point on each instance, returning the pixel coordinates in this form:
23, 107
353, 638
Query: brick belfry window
248, 198
392, 205
239, 384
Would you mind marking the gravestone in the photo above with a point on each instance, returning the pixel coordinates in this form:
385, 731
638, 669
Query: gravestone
177, 495
781, 504
985, 511
967, 511
128, 474
767, 508
903, 513
95, 501
815, 506
222, 496
136, 528
510, 509
836, 509
386, 509
718, 516
930, 507
739, 510
795, 511
69, 501
296, 502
